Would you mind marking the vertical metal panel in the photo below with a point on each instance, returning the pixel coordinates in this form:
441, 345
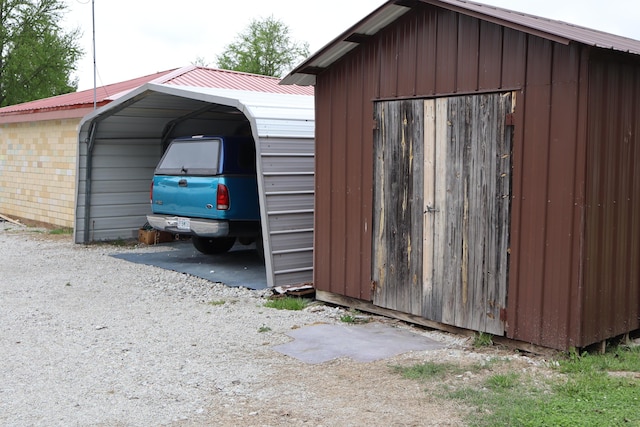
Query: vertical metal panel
121, 172
389, 72
612, 254
576, 311
324, 171
426, 49
532, 194
406, 57
338, 187
343, 181
365, 220
558, 268
355, 159
513, 74
446, 52
468, 54
513, 59
288, 197
489, 70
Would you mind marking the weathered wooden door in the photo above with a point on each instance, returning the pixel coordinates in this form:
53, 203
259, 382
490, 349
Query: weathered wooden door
442, 209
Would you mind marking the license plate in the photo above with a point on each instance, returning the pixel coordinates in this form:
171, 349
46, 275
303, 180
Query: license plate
184, 224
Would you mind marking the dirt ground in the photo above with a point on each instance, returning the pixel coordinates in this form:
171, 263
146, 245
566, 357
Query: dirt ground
347, 393
232, 370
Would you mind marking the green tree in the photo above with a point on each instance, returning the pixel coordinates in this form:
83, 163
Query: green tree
36, 56
263, 48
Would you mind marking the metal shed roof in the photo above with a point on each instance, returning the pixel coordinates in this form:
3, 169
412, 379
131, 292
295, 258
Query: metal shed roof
121, 142
558, 31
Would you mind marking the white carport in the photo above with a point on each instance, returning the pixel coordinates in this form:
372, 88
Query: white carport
121, 143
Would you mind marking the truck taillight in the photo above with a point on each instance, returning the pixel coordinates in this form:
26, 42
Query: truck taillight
222, 200
151, 193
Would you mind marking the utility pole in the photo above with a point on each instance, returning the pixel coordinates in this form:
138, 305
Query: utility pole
93, 24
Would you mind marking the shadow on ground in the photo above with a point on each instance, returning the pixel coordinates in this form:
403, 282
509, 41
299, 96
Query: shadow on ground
240, 267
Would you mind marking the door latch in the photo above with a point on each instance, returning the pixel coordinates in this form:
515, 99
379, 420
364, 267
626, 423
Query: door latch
431, 209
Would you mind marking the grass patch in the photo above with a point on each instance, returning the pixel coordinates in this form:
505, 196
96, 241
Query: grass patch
427, 371
264, 328
348, 318
217, 302
287, 303
502, 381
61, 231
482, 339
587, 390
616, 359
354, 317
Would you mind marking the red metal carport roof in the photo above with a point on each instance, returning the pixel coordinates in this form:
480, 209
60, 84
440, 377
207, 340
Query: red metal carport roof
77, 104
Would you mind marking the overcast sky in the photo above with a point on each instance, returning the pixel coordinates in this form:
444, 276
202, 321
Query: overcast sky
139, 37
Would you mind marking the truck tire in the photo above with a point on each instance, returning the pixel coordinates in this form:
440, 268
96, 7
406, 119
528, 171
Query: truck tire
213, 245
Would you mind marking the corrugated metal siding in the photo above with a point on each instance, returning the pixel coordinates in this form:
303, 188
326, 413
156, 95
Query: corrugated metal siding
288, 195
612, 242
545, 273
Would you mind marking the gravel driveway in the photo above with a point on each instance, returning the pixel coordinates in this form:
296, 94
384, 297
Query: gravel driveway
90, 340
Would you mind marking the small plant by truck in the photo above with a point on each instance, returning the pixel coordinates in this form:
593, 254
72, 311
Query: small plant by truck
206, 187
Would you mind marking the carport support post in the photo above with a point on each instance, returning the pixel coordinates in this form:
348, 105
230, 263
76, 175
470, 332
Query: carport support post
87, 187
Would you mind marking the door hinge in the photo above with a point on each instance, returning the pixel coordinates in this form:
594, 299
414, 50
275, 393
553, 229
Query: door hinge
510, 120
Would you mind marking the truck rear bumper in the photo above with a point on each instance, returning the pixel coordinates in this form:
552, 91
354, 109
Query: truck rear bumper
197, 226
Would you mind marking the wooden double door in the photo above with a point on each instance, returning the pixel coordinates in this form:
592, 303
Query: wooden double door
442, 190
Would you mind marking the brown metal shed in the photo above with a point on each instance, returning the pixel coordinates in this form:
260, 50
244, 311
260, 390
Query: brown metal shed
479, 168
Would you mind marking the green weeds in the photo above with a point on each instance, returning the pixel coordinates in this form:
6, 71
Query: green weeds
482, 339
287, 303
581, 389
354, 316
61, 231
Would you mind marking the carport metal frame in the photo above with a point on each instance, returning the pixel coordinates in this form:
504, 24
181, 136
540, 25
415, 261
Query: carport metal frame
121, 143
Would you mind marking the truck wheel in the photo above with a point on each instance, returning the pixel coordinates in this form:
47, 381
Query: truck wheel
213, 245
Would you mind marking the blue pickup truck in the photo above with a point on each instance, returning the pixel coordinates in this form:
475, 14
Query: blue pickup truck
205, 186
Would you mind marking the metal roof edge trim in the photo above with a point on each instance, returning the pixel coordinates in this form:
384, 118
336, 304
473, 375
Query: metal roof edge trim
61, 114
228, 97
364, 22
498, 20
249, 102
102, 111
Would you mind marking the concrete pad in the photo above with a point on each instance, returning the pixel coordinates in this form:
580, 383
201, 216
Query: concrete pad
363, 343
241, 266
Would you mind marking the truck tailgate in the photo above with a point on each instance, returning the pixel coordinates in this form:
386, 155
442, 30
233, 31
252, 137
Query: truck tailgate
195, 196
